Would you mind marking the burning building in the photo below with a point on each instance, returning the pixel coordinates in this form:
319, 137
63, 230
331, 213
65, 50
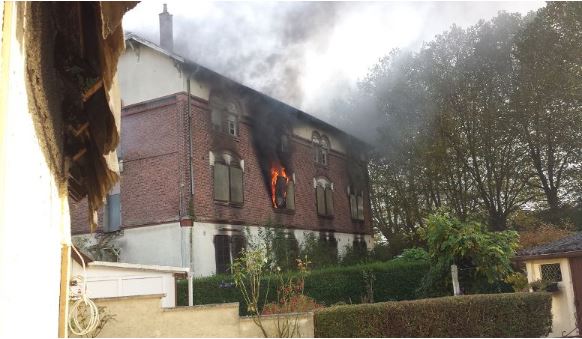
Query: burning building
204, 158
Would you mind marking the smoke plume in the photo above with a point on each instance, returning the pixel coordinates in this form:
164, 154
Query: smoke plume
306, 54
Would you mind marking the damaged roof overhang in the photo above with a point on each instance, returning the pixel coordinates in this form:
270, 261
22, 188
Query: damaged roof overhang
90, 40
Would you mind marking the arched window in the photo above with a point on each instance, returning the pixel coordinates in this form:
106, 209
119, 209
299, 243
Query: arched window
356, 203
228, 178
225, 114
324, 197
320, 147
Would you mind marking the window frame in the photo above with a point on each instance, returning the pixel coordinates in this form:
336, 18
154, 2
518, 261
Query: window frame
321, 147
356, 200
223, 112
230, 242
234, 164
554, 264
326, 187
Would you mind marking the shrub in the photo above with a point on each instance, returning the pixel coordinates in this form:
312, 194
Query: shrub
483, 257
394, 280
487, 315
298, 303
414, 254
354, 256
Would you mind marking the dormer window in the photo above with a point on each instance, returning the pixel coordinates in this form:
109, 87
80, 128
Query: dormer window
232, 125
224, 115
320, 148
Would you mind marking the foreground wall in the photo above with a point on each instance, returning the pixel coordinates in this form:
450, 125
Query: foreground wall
34, 213
142, 316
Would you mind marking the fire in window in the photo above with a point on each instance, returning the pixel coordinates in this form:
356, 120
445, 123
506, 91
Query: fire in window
282, 188
324, 197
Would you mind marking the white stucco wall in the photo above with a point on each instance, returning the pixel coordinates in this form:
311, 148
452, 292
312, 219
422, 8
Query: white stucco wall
107, 282
169, 245
563, 308
152, 245
204, 263
305, 131
146, 74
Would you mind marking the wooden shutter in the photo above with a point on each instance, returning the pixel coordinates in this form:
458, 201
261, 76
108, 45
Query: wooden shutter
221, 185
360, 207
328, 201
236, 185
291, 195
353, 206
320, 200
222, 253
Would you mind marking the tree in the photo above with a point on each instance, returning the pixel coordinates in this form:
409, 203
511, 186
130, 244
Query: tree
548, 100
475, 78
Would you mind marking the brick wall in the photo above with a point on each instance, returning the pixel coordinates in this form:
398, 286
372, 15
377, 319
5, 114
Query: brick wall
155, 185
257, 208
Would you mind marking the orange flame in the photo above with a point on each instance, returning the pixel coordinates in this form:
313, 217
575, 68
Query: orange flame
277, 171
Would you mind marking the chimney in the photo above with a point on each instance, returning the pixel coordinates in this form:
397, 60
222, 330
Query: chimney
166, 30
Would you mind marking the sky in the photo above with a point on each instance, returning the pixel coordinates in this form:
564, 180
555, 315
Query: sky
306, 54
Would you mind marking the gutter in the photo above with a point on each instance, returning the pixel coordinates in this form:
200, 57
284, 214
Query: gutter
190, 142
569, 254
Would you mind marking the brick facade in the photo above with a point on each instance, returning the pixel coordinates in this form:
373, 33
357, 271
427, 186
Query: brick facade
155, 185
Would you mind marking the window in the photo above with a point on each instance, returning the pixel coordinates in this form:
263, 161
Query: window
283, 191
551, 272
356, 204
112, 211
228, 180
227, 248
232, 126
320, 147
359, 244
224, 115
324, 197
328, 248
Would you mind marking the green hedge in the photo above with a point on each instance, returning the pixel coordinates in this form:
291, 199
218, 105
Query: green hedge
394, 280
483, 315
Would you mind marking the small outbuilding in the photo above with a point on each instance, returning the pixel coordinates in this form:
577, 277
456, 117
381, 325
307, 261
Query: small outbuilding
114, 279
558, 265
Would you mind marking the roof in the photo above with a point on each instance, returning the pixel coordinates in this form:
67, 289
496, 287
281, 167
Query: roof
565, 247
157, 268
78, 254
196, 67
